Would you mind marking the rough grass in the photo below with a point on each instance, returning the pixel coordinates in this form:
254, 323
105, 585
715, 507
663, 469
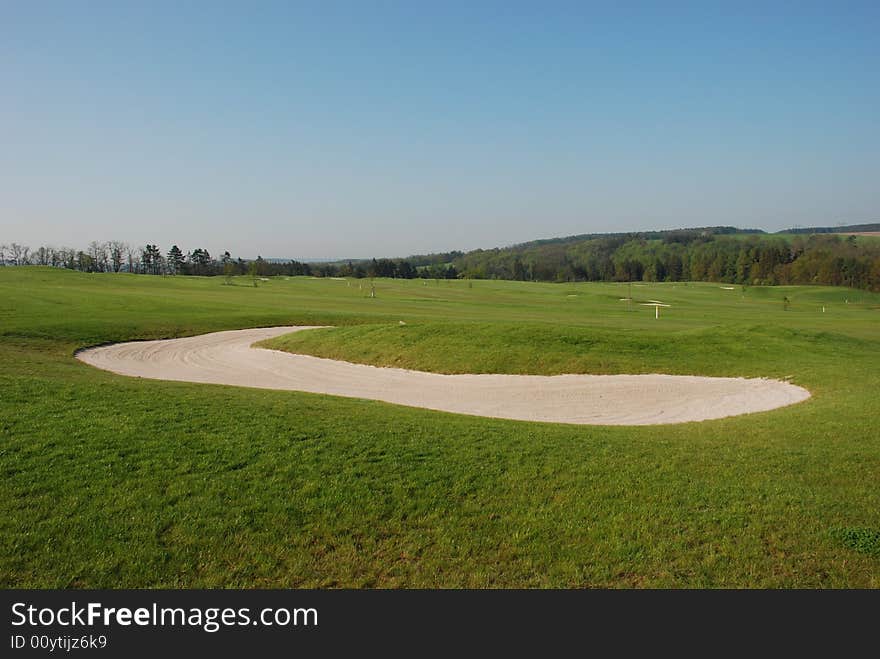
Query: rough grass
110, 481
742, 350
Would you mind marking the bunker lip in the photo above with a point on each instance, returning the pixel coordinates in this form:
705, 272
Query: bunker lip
230, 358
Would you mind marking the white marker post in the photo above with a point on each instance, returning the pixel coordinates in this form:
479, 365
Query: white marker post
656, 305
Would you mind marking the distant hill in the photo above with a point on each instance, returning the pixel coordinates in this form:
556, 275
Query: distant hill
668, 235
849, 228
720, 253
647, 235
273, 259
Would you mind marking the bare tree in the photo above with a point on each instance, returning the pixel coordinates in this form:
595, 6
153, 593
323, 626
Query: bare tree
20, 254
4, 249
98, 253
57, 257
134, 258
67, 257
43, 255
117, 250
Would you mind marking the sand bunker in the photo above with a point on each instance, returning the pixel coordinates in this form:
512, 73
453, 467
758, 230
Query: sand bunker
228, 358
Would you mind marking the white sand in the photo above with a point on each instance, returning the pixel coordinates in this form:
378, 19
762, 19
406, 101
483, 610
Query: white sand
228, 358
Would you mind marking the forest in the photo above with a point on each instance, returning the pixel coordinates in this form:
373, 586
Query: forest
753, 259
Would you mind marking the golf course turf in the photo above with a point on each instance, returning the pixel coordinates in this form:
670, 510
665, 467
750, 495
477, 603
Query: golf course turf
110, 481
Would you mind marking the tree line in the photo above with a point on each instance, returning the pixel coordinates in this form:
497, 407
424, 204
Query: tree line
681, 255
751, 259
118, 256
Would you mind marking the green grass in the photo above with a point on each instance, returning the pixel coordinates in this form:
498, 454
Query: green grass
110, 481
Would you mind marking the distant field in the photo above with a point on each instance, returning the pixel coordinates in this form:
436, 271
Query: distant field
112, 482
789, 237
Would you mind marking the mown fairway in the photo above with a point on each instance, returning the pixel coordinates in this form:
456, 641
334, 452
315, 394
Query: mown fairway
118, 482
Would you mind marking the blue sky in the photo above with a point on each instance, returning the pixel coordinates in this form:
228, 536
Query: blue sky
385, 129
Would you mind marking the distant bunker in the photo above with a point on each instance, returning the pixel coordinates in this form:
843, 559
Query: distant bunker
229, 358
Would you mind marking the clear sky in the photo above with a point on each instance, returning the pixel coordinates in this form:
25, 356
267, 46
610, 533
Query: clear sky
385, 129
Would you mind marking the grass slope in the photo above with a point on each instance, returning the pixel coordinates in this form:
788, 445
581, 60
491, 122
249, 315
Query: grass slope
110, 481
